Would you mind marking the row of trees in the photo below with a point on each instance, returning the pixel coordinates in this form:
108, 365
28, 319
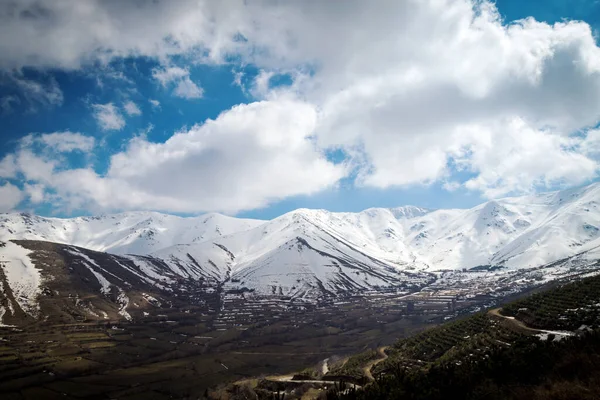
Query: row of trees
566, 307
485, 357
530, 369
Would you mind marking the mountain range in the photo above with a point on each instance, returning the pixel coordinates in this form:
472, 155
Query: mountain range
301, 254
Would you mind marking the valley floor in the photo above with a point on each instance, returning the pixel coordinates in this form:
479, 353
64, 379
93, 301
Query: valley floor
172, 356
193, 340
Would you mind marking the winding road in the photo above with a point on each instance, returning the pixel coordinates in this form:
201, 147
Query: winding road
371, 364
496, 312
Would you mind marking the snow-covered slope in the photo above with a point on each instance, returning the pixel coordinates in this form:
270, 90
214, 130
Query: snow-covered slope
40, 280
307, 251
19, 275
25, 278
302, 246
126, 233
514, 232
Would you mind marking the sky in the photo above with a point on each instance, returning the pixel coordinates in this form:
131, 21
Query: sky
256, 108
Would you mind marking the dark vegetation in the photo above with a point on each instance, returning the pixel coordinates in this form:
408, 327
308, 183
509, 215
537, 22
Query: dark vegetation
192, 342
352, 369
567, 307
530, 369
487, 356
474, 335
483, 356
178, 344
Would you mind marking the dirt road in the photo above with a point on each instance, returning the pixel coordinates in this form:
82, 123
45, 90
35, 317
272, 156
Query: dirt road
371, 364
496, 312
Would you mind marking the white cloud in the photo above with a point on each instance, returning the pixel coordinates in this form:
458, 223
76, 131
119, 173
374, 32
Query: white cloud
406, 88
451, 186
10, 197
8, 166
131, 108
36, 193
180, 77
169, 75
154, 103
260, 87
513, 156
30, 31
399, 96
65, 142
48, 95
246, 158
34, 167
237, 78
35, 163
591, 145
108, 117
188, 89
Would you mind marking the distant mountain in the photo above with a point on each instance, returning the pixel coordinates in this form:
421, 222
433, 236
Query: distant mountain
126, 233
515, 232
307, 252
314, 253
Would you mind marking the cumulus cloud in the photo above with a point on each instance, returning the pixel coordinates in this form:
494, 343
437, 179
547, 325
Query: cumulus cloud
39, 157
154, 103
425, 79
99, 31
132, 109
246, 158
511, 155
409, 90
180, 77
35, 167
10, 197
108, 117
401, 94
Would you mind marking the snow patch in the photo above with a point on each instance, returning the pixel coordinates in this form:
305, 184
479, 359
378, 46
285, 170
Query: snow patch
23, 277
104, 283
123, 301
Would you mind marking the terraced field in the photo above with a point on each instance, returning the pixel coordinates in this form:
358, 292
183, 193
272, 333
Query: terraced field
569, 306
182, 353
531, 341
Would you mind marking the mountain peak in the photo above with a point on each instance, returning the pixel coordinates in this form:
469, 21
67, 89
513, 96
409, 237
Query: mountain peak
409, 211
515, 231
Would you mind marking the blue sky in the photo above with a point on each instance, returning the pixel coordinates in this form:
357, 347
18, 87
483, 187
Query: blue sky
376, 133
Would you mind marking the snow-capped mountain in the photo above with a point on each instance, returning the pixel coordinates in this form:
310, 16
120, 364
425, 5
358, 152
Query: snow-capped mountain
126, 233
517, 232
312, 252
305, 251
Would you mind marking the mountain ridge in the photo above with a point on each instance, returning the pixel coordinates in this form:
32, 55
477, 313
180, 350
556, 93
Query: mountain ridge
309, 252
